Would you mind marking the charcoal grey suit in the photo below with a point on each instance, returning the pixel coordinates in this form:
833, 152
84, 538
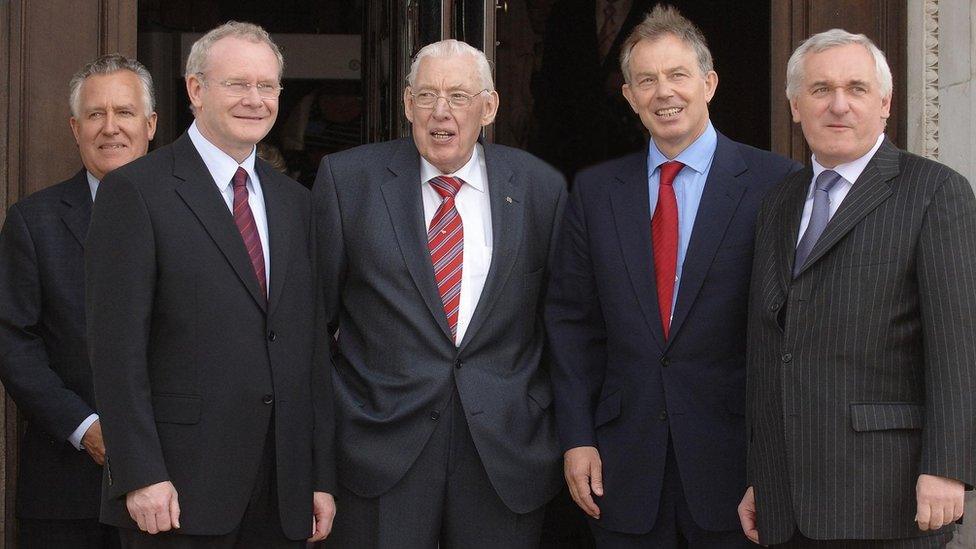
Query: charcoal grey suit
862, 368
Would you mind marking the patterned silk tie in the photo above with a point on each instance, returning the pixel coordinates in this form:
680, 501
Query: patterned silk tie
819, 215
445, 237
664, 237
244, 220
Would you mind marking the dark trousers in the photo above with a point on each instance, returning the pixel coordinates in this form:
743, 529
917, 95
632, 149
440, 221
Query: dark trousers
674, 526
260, 527
799, 541
66, 534
445, 500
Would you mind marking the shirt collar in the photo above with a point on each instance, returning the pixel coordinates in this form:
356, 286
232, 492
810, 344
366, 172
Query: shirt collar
697, 156
222, 167
92, 184
469, 172
850, 171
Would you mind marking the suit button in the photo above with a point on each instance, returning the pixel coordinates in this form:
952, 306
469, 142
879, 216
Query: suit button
458, 364
665, 361
435, 415
272, 335
787, 357
267, 399
774, 306
663, 416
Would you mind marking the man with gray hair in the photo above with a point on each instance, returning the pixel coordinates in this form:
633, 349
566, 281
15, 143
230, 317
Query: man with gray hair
210, 371
862, 361
43, 360
433, 253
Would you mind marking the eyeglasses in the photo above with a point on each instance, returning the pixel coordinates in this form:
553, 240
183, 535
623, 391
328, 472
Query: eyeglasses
242, 88
456, 100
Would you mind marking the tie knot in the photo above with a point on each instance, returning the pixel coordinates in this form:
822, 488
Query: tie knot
240, 177
669, 170
446, 186
827, 179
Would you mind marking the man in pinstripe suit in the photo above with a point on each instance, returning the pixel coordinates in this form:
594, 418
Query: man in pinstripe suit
862, 355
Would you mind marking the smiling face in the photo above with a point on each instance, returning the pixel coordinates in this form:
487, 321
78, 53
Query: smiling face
111, 126
234, 124
839, 104
446, 136
669, 92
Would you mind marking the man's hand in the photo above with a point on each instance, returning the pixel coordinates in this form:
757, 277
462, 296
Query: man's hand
93, 443
747, 515
155, 508
940, 501
323, 512
584, 476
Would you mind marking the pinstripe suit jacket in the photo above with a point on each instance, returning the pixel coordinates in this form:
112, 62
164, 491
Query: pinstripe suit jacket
862, 369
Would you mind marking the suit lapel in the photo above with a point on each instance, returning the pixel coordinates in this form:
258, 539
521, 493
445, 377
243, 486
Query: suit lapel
787, 224
200, 194
505, 195
406, 208
719, 200
867, 193
279, 230
629, 201
77, 196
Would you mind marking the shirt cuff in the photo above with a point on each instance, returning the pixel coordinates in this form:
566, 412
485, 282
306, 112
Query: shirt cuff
75, 438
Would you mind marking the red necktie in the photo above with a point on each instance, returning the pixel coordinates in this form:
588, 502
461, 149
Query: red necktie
244, 220
445, 237
664, 237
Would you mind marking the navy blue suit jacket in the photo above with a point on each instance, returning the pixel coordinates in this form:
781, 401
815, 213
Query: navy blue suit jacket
619, 385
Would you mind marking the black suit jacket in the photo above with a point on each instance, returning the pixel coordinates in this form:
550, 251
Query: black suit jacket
619, 384
862, 369
191, 363
43, 357
396, 364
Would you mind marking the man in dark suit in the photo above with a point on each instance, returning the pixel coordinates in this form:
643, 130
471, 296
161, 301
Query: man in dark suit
43, 358
646, 312
210, 374
433, 253
862, 378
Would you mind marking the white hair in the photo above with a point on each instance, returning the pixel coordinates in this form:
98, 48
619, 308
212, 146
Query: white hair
449, 48
832, 39
111, 63
196, 62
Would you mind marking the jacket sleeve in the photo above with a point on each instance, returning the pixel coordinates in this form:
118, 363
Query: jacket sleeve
25, 366
120, 272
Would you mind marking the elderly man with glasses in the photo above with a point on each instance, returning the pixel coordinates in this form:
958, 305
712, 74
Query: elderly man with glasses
433, 253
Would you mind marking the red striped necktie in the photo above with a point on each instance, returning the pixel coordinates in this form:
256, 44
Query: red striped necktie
664, 236
445, 238
244, 220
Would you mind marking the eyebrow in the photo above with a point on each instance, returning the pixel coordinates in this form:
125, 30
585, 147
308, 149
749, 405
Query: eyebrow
828, 83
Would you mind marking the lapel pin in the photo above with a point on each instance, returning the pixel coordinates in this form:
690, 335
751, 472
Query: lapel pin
508, 199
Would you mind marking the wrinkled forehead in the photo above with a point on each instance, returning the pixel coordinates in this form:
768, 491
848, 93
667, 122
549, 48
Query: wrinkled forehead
454, 71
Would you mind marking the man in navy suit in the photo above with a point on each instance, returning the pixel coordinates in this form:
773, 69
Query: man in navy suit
646, 310
43, 357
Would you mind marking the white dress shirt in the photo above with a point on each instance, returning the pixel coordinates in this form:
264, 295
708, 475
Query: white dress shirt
222, 168
474, 208
849, 172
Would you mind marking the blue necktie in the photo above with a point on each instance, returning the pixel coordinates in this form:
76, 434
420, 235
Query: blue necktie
819, 216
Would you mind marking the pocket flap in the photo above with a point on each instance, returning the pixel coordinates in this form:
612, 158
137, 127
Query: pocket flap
880, 416
607, 410
181, 409
541, 394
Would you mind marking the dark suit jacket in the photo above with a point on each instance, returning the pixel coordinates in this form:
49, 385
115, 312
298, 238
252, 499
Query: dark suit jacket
396, 365
191, 364
862, 369
619, 385
43, 358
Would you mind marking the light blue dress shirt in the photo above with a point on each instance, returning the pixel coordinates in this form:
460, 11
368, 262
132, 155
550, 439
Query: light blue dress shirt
688, 187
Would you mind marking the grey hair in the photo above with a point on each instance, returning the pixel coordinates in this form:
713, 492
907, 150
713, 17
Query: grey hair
448, 48
196, 62
661, 21
109, 64
832, 39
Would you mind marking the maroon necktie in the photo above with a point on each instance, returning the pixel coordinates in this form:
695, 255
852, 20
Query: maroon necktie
445, 237
664, 236
244, 220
